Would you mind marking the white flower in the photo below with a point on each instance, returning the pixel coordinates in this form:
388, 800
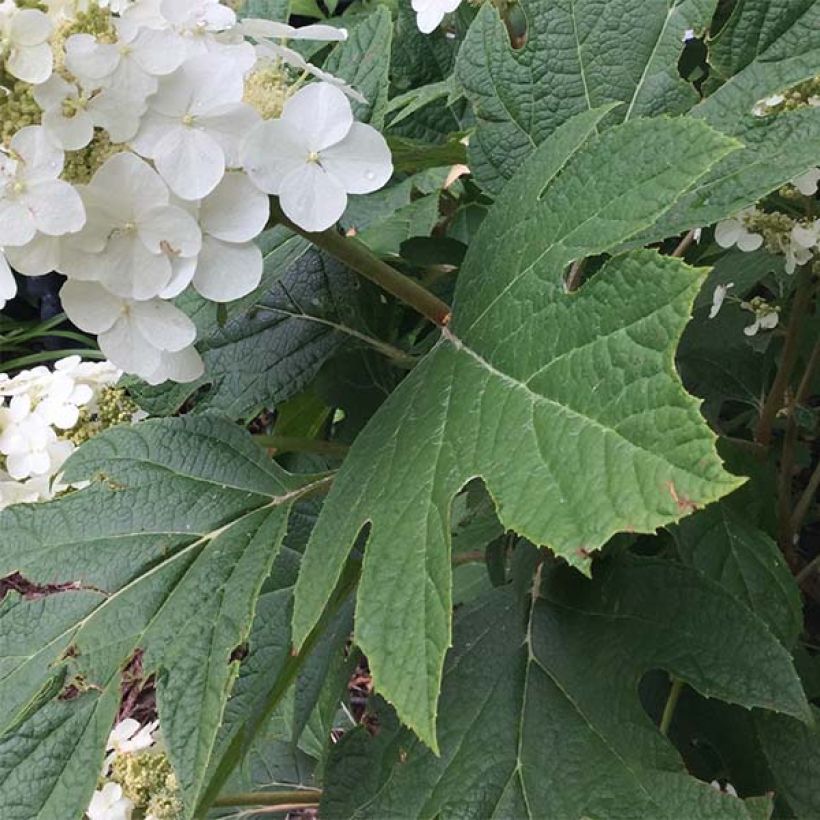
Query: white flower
807, 183
109, 803
129, 736
196, 18
429, 13
766, 316
718, 297
30, 445
133, 335
230, 264
688, 35
132, 234
183, 366
727, 788
315, 155
194, 125
803, 239
734, 232
8, 286
24, 47
130, 66
70, 114
32, 198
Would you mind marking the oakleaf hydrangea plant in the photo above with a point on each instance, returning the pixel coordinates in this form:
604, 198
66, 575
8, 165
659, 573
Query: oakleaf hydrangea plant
409, 409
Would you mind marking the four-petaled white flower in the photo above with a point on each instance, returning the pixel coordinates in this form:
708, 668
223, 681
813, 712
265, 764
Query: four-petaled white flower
430, 13
109, 803
803, 241
24, 47
32, 198
766, 316
314, 155
132, 235
194, 125
807, 183
734, 232
132, 334
229, 265
718, 298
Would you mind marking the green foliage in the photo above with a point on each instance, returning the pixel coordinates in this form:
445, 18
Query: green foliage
547, 556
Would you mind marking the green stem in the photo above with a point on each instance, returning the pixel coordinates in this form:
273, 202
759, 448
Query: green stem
302, 797
50, 355
684, 244
671, 702
359, 257
292, 444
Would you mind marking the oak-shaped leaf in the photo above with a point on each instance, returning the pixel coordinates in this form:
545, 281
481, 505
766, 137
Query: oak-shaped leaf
566, 404
153, 569
541, 715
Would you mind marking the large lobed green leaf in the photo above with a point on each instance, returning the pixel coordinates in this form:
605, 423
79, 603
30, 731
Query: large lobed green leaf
165, 552
540, 708
567, 405
578, 55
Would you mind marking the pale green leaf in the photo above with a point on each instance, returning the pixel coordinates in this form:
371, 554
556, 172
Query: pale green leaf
540, 709
567, 405
578, 55
165, 553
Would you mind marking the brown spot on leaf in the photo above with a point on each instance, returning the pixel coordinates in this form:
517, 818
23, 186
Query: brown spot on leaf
30, 589
684, 504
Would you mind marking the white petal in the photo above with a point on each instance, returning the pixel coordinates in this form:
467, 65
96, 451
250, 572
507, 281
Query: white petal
319, 32
170, 230
38, 257
271, 151
181, 366
236, 210
8, 285
227, 271
727, 232
804, 236
52, 92
89, 306
130, 270
807, 183
190, 161
118, 115
29, 27
748, 241
166, 326
321, 113
312, 198
72, 133
124, 345
158, 52
182, 272
429, 19
87, 59
361, 161
16, 225
56, 207
125, 178
32, 64
153, 128
42, 156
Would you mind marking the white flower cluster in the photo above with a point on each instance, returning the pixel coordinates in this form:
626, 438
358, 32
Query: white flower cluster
37, 409
159, 129
798, 240
109, 802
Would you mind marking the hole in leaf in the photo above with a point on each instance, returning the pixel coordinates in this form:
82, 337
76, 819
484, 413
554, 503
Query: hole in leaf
16, 582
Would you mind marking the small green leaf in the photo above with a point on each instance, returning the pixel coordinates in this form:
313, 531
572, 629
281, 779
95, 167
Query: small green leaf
568, 405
